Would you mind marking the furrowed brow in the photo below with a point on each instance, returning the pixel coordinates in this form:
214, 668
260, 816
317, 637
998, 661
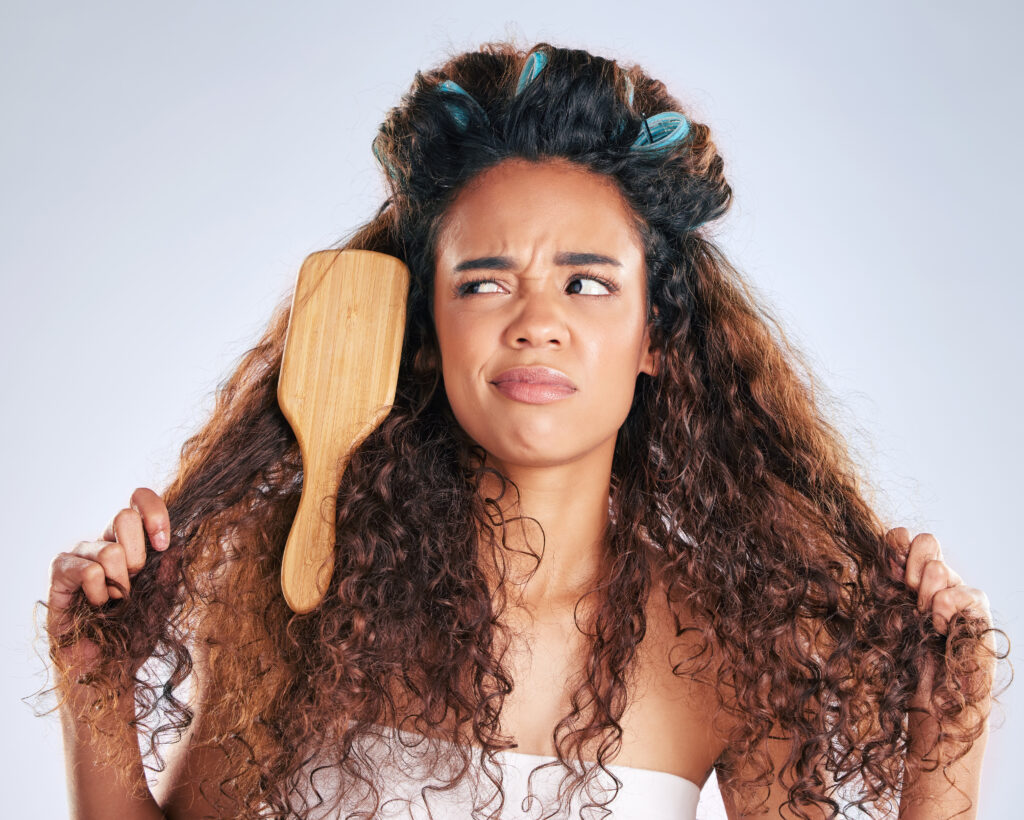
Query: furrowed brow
568, 258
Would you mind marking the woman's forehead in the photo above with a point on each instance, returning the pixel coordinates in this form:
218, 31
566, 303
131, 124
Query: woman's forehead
521, 207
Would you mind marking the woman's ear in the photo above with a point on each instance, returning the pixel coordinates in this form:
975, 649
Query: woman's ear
656, 369
651, 362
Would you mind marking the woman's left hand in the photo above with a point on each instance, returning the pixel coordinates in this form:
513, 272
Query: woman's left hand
939, 589
942, 592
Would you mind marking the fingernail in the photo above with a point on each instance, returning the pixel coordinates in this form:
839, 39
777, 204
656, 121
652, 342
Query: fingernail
160, 540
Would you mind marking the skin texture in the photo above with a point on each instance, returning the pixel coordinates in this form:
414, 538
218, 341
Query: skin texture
538, 312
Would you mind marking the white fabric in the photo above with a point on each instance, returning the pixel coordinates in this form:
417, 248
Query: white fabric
406, 770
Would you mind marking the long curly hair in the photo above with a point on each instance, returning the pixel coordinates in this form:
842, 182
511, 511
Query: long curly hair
728, 480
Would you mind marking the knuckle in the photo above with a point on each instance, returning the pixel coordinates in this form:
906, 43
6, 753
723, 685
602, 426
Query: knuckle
146, 499
112, 552
978, 600
899, 538
151, 507
56, 563
93, 573
125, 515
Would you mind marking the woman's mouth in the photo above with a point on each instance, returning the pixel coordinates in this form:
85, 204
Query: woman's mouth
534, 384
534, 393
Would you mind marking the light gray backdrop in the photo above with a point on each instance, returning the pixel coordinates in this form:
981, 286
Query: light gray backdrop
165, 168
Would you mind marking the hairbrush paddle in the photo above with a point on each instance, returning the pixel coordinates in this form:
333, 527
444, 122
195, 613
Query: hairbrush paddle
338, 377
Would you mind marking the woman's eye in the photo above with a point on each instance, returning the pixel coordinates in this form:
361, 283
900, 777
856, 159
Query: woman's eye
589, 286
608, 287
468, 287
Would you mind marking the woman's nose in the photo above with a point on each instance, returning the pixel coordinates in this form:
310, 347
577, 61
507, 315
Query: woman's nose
537, 320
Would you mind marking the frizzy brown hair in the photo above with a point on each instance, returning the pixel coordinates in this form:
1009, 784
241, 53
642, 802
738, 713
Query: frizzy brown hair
727, 480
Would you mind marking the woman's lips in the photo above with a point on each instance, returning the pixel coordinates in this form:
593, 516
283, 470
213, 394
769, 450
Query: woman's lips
534, 393
534, 385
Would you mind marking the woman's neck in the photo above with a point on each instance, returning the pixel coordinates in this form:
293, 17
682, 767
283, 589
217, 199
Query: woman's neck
570, 503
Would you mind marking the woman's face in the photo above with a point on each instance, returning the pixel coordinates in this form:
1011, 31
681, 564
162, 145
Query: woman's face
565, 289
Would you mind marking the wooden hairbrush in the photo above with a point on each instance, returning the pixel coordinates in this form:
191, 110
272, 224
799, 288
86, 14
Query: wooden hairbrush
339, 372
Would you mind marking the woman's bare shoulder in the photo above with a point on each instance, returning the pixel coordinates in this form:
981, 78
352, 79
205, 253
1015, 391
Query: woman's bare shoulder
676, 709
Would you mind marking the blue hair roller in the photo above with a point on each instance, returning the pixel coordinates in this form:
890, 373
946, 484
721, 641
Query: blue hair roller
534, 65
387, 166
629, 90
629, 96
457, 112
661, 131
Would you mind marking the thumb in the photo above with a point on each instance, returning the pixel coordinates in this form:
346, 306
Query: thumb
898, 540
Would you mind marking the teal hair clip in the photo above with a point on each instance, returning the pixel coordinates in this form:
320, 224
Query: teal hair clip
661, 131
629, 99
382, 160
458, 113
534, 65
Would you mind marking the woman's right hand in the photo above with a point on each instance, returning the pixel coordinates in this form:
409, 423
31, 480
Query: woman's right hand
90, 565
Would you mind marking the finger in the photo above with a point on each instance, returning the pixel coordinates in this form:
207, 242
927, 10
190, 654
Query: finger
62, 590
960, 598
153, 513
155, 518
112, 559
69, 573
126, 529
923, 548
935, 576
899, 539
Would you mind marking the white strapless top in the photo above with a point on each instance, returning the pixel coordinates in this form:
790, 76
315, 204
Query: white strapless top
405, 790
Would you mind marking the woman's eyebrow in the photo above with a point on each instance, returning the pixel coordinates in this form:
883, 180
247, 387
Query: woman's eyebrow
564, 258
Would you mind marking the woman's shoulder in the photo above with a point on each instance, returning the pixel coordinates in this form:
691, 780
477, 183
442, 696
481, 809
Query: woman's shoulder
676, 707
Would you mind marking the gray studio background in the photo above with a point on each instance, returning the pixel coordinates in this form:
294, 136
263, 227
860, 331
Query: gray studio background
164, 170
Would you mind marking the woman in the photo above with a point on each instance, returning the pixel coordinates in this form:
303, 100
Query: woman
605, 526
